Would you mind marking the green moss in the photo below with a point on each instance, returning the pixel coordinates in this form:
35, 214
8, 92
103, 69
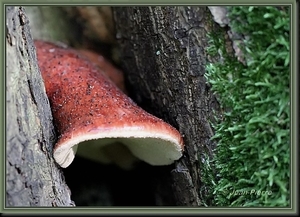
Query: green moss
252, 158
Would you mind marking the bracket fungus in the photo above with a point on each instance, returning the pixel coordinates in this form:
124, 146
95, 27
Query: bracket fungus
92, 114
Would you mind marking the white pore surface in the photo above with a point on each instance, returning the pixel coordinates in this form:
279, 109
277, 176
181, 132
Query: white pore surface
153, 148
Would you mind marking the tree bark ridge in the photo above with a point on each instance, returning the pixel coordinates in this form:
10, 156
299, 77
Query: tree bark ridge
32, 177
163, 56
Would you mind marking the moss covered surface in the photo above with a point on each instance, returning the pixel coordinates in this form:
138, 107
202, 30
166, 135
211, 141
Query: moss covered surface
252, 158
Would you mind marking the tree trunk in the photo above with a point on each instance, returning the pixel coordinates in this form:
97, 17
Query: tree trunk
32, 177
163, 56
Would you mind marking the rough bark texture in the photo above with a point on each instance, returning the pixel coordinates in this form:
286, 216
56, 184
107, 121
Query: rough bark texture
32, 177
163, 56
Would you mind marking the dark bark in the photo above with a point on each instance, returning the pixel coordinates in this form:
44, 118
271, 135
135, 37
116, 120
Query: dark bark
163, 56
32, 177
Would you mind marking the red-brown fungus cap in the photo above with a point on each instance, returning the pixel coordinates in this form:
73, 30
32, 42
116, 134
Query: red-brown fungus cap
106, 67
87, 106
